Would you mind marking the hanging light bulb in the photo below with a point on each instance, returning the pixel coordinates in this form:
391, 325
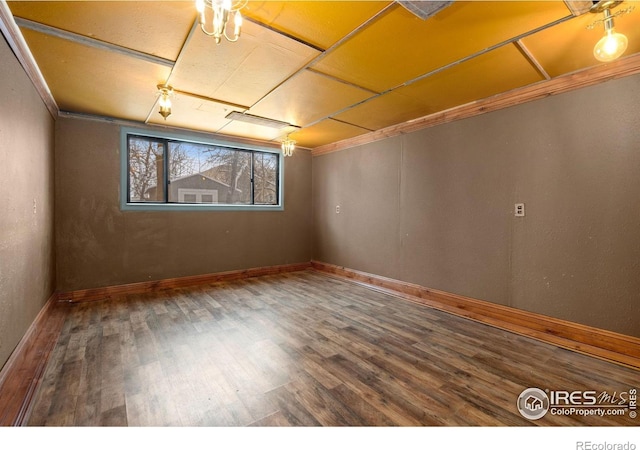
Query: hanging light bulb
164, 101
238, 24
612, 45
200, 7
288, 146
221, 10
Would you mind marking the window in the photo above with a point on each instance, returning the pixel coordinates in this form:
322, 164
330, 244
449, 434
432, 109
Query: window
167, 173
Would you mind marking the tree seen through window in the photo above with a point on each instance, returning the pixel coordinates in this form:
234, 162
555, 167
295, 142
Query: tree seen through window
171, 171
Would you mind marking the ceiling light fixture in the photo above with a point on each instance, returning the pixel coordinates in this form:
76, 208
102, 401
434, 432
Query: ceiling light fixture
612, 45
424, 9
258, 120
288, 146
165, 93
221, 10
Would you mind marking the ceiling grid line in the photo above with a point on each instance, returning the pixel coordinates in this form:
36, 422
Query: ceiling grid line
91, 42
624, 67
287, 35
341, 81
337, 44
335, 72
167, 82
482, 52
448, 66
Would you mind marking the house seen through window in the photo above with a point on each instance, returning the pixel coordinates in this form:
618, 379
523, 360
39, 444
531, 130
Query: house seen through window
169, 171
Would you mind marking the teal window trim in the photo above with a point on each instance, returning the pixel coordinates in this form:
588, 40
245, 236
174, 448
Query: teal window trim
125, 205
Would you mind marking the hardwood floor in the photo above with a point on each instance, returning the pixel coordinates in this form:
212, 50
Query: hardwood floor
299, 349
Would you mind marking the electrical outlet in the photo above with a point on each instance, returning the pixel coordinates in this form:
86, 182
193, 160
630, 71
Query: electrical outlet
519, 210
337, 209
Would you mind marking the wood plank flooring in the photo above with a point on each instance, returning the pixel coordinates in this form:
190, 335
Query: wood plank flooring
299, 349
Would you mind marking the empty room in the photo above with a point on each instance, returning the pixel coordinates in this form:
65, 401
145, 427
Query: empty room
287, 214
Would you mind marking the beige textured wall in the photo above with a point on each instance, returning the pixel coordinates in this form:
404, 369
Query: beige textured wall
435, 207
27, 266
99, 245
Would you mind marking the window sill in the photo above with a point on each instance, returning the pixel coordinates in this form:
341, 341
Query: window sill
196, 207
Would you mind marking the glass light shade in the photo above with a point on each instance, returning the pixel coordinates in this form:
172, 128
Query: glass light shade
165, 111
165, 101
611, 46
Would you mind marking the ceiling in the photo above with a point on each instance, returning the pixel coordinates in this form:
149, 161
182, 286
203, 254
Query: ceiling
333, 70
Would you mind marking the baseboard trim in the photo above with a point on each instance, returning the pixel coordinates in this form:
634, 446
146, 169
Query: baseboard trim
172, 283
23, 371
614, 347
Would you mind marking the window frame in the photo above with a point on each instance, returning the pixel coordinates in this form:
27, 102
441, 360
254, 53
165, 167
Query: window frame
125, 205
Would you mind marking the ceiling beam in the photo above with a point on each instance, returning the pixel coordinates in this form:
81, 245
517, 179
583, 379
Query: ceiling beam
18, 45
532, 59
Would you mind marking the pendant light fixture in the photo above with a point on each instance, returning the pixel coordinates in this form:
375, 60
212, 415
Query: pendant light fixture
288, 146
164, 93
613, 44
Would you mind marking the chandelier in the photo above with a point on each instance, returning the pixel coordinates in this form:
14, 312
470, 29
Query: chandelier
218, 13
288, 146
